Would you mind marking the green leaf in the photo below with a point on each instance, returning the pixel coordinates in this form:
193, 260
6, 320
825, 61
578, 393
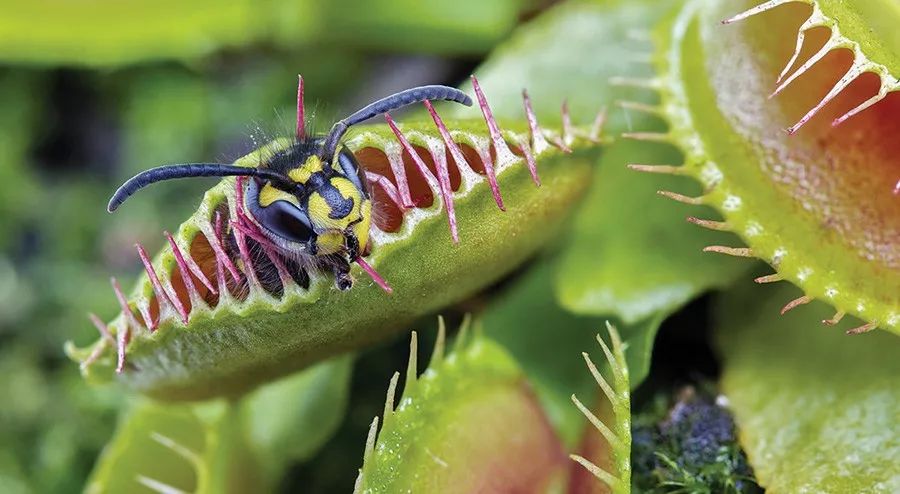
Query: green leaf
621, 228
571, 51
469, 423
290, 419
105, 32
19, 189
546, 340
817, 410
226, 447
191, 449
444, 26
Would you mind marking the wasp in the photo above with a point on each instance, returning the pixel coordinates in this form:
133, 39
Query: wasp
310, 200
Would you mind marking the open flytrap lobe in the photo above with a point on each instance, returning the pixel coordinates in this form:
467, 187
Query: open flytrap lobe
818, 205
272, 272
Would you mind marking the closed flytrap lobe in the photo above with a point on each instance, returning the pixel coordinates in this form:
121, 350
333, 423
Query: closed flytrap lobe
816, 203
476, 394
218, 311
469, 423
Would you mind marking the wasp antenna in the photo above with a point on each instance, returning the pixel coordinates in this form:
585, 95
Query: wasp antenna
390, 103
301, 125
191, 170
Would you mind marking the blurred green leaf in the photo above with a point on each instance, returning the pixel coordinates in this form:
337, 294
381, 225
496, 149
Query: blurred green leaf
19, 188
192, 449
103, 32
289, 420
12, 478
573, 51
818, 410
547, 341
568, 52
218, 447
445, 26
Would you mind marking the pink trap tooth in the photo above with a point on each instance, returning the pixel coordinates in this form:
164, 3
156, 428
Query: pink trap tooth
123, 335
825, 50
192, 266
95, 354
130, 319
183, 269
374, 274
440, 162
529, 159
443, 172
301, 124
538, 141
388, 187
162, 296
771, 4
397, 165
798, 47
219, 250
851, 75
863, 106
249, 270
423, 168
283, 273
597, 127
567, 135
560, 141
99, 349
239, 205
897, 188
461, 159
504, 154
121, 344
101, 327
144, 310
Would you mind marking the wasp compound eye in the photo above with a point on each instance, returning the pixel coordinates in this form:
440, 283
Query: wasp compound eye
287, 221
281, 217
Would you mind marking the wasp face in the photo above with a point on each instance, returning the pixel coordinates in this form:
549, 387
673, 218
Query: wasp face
327, 214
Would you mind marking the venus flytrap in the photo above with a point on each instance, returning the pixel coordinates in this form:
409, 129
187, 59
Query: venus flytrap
217, 313
818, 205
469, 423
616, 436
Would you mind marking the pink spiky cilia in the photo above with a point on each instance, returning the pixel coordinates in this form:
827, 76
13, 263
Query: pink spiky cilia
237, 250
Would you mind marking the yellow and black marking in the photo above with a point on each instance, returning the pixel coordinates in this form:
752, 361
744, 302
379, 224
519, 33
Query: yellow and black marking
309, 201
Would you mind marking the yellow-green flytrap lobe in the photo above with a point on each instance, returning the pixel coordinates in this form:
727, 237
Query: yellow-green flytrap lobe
817, 202
219, 311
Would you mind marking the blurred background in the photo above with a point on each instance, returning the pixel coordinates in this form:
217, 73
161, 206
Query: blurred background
92, 92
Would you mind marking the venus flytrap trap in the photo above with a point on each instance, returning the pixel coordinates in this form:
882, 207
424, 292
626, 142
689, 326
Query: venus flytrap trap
221, 309
224, 446
617, 437
818, 205
816, 412
469, 423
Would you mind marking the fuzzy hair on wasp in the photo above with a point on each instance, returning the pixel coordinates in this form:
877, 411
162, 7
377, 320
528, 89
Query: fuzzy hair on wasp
311, 201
